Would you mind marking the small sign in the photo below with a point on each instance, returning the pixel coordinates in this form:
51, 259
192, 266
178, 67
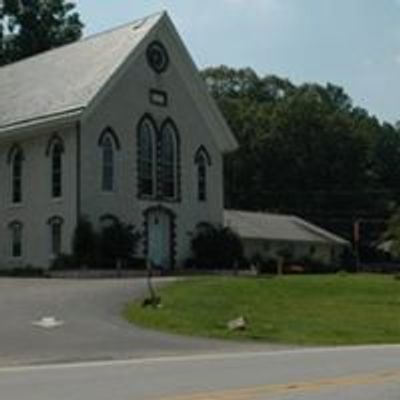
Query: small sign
158, 98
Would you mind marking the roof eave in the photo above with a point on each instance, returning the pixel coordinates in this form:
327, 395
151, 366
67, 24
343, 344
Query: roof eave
227, 141
45, 122
287, 240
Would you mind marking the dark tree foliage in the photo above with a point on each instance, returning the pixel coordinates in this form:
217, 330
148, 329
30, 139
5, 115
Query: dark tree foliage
306, 150
84, 243
118, 242
392, 235
29, 27
215, 247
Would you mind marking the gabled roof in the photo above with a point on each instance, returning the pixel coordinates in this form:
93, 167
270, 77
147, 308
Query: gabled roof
275, 227
65, 81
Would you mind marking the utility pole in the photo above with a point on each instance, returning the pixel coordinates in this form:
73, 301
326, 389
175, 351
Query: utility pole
356, 243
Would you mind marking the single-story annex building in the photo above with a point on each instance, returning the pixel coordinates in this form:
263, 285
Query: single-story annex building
119, 125
268, 235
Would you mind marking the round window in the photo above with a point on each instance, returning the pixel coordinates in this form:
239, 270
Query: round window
157, 57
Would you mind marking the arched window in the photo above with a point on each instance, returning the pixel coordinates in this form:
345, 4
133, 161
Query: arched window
55, 224
202, 180
168, 160
108, 142
16, 239
55, 150
146, 157
56, 170
108, 166
16, 158
202, 160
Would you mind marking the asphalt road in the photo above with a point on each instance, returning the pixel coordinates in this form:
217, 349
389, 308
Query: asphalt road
93, 329
312, 374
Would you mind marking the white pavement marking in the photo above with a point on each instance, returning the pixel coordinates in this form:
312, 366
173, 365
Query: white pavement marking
48, 323
196, 357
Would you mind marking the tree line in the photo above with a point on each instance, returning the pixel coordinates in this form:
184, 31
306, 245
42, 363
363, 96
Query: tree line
308, 150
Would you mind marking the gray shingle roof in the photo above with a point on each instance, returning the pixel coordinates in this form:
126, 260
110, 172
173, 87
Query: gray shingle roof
68, 78
252, 225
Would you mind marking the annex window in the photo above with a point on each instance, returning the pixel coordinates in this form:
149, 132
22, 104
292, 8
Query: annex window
203, 161
168, 160
146, 157
55, 225
108, 142
16, 160
16, 239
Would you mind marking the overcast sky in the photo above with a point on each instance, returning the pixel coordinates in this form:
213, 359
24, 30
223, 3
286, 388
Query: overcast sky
353, 43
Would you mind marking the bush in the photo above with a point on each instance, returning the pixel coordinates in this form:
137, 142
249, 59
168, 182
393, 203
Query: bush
216, 247
85, 244
27, 271
64, 262
101, 250
118, 243
313, 266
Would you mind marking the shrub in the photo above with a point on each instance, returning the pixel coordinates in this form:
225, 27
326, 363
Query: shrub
118, 243
27, 271
85, 244
101, 250
64, 262
314, 266
216, 247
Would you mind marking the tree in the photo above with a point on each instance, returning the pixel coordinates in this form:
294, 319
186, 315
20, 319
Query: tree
85, 243
216, 247
118, 242
386, 158
29, 27
305, 150
392, 234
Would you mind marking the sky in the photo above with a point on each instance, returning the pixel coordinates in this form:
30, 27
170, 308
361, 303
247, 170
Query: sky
351, 43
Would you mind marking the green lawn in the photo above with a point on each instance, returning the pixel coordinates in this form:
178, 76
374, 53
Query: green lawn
298, 309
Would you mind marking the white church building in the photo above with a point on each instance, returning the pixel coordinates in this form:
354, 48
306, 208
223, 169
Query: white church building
120, 125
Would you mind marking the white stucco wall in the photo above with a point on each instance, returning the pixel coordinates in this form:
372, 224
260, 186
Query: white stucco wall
37, 205
122, 108
321, 252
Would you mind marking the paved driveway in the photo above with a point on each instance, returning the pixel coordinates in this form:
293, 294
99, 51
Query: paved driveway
93, 330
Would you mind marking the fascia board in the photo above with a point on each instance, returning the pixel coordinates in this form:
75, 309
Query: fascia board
199, 92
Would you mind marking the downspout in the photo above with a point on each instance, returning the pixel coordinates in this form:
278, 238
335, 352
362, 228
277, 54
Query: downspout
78, 171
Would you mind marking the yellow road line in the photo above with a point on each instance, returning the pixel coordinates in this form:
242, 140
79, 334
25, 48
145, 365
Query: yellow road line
254, 393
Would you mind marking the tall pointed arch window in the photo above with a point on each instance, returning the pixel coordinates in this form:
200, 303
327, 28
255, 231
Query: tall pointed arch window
55, 150
56, 170
15, 159
146, 145
15, 228
168, 160
203, 161
55, 225
202, 179
109, 143
108, 166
